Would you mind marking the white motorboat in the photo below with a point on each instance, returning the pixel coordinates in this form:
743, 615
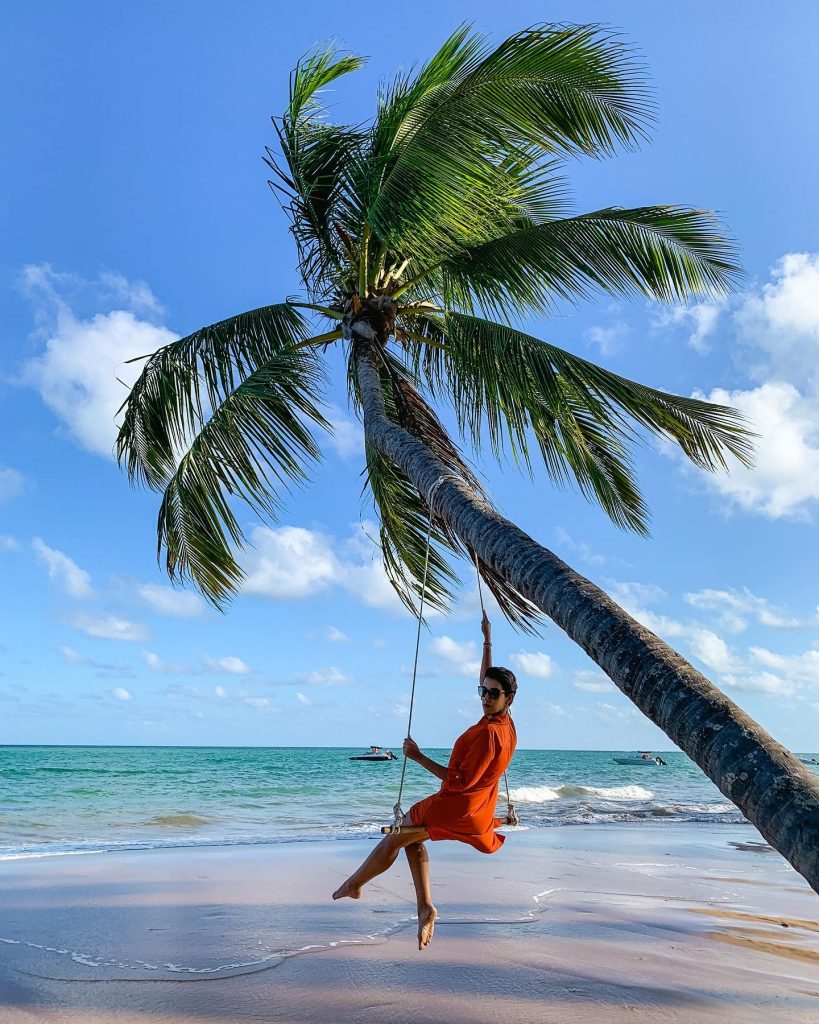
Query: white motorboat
375, 754
642, 759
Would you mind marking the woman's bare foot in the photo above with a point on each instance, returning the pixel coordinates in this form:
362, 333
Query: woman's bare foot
347, 889
426, 925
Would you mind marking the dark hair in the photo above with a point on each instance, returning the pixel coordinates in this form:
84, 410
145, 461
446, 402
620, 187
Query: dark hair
506, 678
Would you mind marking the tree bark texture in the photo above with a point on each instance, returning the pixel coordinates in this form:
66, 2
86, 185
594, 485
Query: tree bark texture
765, 781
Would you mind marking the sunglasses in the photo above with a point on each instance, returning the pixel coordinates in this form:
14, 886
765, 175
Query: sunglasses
492, 694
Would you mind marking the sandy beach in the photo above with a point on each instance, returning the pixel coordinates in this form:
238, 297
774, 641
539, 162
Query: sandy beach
578, 924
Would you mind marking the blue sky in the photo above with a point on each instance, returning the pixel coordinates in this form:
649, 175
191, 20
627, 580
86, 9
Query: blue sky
137, 210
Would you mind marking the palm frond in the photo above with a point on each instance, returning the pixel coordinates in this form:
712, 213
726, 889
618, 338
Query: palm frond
312, 73
315, 178
399, 103
546, 91
405, 516
404, 521
315, 198
669, 253
181, 382
255, 443
581, 418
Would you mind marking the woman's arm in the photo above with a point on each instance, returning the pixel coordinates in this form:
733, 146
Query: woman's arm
486, 661
413, 752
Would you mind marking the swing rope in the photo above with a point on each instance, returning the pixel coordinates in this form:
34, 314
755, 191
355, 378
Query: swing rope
396, 810
511, 813
398, 813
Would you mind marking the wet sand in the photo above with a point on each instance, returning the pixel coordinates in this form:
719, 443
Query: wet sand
577, 925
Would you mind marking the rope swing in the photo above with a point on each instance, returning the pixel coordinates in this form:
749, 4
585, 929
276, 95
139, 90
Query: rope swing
398, 814
511, 813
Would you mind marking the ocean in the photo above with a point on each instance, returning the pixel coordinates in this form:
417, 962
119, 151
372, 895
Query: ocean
69, 800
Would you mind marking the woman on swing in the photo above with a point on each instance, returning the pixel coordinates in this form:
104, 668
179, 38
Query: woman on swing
464, 807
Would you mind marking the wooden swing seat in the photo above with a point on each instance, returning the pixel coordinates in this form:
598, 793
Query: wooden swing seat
386, 830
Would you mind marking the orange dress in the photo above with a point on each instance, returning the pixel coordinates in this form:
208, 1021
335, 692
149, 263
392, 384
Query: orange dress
464, 807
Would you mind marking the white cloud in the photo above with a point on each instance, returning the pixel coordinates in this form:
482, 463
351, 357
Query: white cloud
72, 657
592, 681
711, 649
76, 374
784, 480
362, 572
329, 676
579, 547
553, 710
156, 664
697, 641
258, 703
52, 289
800, 668
303, 699
9, 544
759, 682
701, 319
63, 571
463, 656
391, 707
370, 584
219, 695
348, 434
779, 322
110, 627
634, 595
777, 346
610, 713
121, 694
607, 339
180, 604
533, 663
134, 295
289, 562
334, 635
230, 665
735, 605
220, 666
11, 483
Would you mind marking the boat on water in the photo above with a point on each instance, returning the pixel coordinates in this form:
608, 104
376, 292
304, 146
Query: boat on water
643, 758
375, 754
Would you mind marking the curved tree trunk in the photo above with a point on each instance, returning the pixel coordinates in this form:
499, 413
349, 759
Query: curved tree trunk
770, 786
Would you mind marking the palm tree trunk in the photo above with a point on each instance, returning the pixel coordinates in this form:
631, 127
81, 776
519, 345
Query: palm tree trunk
771, 788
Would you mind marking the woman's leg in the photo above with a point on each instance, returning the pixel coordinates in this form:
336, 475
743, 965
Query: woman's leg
382, 857
418, 859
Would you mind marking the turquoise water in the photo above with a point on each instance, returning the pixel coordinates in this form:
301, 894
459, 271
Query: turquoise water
60, 800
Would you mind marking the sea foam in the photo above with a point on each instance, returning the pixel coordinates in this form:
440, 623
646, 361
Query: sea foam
607, 792
546, 794
534, 794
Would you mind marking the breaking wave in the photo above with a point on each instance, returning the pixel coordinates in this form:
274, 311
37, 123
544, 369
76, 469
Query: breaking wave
546, 794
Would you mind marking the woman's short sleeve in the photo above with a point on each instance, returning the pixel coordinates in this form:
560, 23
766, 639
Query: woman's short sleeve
477, 759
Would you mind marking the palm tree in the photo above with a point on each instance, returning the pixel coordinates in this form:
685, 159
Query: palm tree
425, 238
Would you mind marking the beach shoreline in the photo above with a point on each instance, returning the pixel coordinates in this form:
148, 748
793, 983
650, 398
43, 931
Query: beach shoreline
578, 923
